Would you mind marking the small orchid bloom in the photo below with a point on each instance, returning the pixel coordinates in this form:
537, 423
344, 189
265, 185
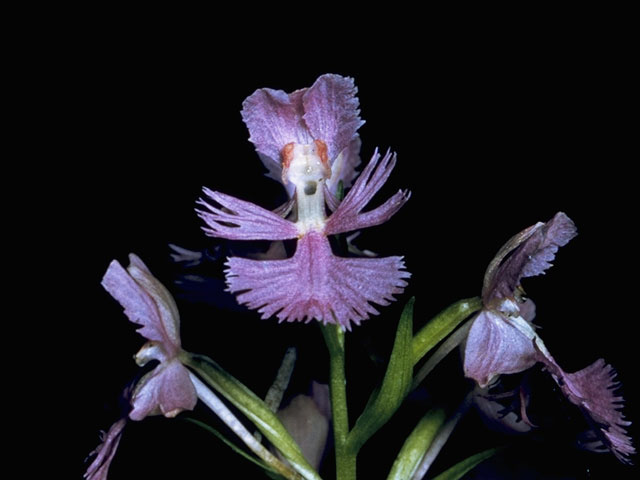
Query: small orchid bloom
314, 283
324, 118
502, 340
167, 389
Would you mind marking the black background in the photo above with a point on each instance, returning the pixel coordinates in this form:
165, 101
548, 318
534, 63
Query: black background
494, 132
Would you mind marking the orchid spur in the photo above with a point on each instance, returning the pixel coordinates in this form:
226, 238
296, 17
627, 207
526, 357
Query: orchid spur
314, 283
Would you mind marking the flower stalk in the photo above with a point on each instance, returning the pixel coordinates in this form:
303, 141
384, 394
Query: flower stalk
212, 401
254, 408
345, 458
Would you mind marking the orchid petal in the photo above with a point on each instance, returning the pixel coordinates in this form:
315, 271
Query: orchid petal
146, 302
593, 389
316, 284
348, 216
330, 199
496, 346
531, 252
274, 118
166, 390
331, 112
243, 220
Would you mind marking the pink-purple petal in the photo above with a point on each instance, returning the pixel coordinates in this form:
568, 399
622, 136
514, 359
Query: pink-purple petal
274, 118
593, 389
556, 233
331, 112
167, 390
237, 219
140, 306
330, 199
348, 217
316, 284
167, 307
531, 255
496, 347
105, 452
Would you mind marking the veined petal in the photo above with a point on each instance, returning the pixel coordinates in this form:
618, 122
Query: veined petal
146, 302
348, 216
331, 112
316, 284
161, 296
593, 389
496, 346
241, 220
527, 254
166, 390
274, 118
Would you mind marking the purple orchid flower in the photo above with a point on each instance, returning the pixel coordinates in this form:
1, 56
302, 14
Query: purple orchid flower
304, 131
167, 389
325, 114
502, 340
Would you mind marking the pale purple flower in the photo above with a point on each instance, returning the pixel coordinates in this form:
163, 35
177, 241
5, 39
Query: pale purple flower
314, 283
167, 389
307, 139
502, 340
325, 114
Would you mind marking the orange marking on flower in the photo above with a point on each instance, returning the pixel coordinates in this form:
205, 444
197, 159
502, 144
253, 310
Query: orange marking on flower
287, 155
322, 151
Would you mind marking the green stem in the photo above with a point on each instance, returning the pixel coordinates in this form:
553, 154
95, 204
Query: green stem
253, 408
442, 325
345, 458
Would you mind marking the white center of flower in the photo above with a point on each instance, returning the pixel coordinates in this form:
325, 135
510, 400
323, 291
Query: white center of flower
307, 167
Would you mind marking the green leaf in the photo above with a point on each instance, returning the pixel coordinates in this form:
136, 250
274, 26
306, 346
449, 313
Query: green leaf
254, 408
460, 469
442, 325
232, 445
416, 445
396, 383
